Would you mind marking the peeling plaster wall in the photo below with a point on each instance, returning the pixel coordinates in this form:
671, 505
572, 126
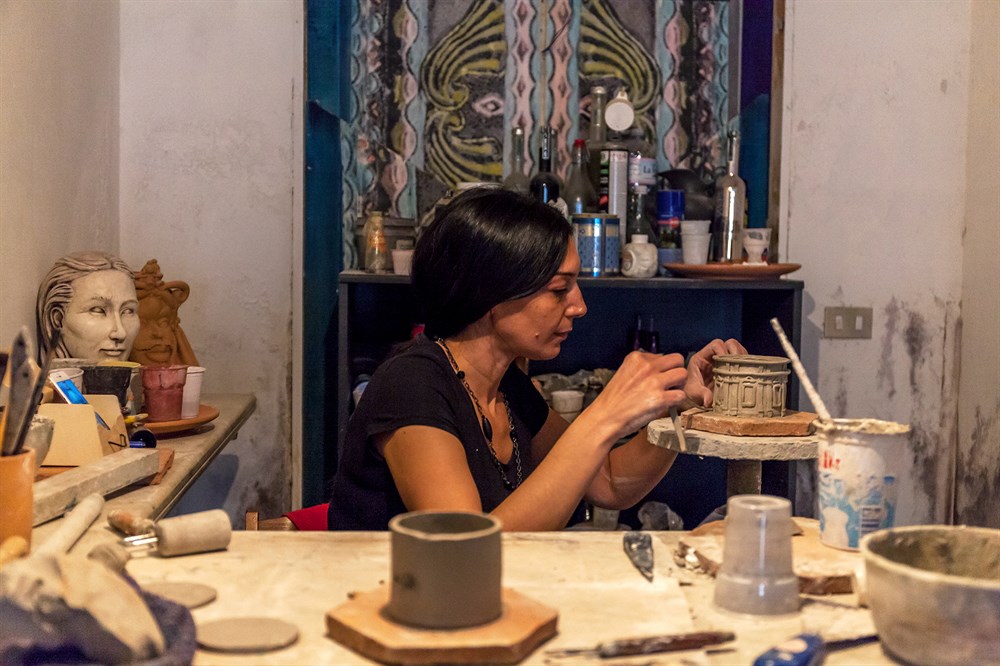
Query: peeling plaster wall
58, 143
211, 161
876, 105
977, 499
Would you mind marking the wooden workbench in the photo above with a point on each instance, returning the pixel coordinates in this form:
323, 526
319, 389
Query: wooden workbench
585, 576
193, 452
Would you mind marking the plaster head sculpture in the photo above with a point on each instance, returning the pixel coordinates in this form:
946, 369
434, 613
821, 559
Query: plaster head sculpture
161, 340
91, 297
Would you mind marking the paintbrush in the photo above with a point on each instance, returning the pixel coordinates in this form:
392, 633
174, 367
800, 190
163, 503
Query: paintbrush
824, 413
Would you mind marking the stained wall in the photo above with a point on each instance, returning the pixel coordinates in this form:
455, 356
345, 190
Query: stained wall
876, 132
211, 160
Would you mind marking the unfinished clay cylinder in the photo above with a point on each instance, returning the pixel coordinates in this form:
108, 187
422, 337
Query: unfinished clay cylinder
445, 568
748, 385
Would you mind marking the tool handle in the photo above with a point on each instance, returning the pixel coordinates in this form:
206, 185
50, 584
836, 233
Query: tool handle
129, 523
668, 643
194, 533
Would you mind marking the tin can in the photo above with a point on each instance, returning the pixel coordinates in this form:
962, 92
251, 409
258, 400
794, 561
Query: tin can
597, 242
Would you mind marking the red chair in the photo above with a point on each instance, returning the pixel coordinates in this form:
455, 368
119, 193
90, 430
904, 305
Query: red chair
306, 519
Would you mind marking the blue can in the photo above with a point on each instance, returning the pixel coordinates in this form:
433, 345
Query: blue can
598, 244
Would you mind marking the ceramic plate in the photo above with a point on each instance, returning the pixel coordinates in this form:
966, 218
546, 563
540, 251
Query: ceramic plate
206, 413
732, 271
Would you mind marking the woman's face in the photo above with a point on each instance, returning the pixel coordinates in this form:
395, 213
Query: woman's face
536, 326
102, 316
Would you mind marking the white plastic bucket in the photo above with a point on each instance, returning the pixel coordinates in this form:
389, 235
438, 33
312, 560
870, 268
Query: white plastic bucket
858, 465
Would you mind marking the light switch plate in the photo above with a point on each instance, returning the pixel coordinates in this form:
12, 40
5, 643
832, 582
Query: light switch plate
847, 322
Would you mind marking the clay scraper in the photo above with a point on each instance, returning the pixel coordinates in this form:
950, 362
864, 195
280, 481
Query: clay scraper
639, 548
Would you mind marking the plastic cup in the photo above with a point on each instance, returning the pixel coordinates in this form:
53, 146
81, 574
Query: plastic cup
163, 388
191, 402
17, 474
568, 400
695, 226
75, 375
756, 575
402, 261
858, 461
695, 248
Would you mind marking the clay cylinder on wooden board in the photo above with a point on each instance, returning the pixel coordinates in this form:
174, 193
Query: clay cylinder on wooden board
194, 533
446, 569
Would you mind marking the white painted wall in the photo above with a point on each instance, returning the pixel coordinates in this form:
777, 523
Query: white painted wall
58, 143
876, 117
978, 492
211, 173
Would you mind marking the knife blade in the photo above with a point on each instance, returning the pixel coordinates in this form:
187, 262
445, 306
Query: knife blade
639, 548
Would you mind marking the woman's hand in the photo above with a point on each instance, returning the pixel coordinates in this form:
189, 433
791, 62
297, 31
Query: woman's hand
642, 389
700, 383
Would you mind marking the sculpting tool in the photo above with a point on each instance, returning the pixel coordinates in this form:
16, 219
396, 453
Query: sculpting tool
627, 647
639, 548
824, 413
678, 429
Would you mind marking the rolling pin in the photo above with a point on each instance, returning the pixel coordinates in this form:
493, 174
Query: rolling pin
72, 527
185, 535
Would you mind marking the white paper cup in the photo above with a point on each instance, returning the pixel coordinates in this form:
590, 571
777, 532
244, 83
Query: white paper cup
695, 226
695, 247
402, 261
192, 392
567, 401
858, 461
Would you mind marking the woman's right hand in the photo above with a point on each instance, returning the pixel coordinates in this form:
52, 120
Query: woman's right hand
644, 388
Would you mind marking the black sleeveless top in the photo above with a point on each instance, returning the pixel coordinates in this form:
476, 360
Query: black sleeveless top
419, 387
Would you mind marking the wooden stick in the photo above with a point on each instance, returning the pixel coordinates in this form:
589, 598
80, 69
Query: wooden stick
678, 429
824, 413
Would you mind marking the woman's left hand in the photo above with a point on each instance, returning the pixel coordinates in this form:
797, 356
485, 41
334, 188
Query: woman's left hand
700, 384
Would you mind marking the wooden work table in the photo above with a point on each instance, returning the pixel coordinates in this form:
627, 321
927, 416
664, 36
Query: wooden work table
585, 576
193, 452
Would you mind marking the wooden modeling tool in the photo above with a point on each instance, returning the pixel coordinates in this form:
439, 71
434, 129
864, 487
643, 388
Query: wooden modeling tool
27, 381
649, 645
824, 413
678, 429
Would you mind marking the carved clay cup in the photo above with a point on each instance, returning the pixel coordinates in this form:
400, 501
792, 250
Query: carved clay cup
445, 568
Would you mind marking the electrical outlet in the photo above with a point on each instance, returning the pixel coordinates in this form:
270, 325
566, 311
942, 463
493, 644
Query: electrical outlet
847, 322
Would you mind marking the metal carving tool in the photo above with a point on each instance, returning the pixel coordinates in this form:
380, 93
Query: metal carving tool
639, 548
649, 645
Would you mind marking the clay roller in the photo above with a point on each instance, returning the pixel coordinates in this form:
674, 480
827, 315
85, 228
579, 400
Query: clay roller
185, 535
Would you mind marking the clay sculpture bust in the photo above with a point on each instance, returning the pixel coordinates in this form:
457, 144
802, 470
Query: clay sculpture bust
161, 340
90, 296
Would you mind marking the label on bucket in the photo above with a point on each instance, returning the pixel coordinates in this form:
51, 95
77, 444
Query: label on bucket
857, 493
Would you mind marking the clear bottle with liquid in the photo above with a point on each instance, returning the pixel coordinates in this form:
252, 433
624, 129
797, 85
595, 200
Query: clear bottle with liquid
730, 208
516, 180
579, 193
376, 246
598, 133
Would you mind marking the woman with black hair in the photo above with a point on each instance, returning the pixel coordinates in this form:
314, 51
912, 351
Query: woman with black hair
451, 422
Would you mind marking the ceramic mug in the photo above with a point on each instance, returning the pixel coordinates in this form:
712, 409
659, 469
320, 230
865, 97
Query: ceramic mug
445, 569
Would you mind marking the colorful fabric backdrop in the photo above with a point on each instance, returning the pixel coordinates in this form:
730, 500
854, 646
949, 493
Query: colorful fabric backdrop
437, 86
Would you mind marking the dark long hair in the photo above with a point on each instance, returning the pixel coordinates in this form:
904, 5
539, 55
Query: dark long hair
487, 246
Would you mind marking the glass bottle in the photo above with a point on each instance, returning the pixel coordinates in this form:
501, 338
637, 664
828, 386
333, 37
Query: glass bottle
730, 208
544, 185
516, 180
376, 247
579, 193
641, 215
598, 133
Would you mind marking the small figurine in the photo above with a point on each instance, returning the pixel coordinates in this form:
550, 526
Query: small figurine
161, 340
90, 296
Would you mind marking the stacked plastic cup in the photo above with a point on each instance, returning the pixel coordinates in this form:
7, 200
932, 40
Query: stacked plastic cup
695, 236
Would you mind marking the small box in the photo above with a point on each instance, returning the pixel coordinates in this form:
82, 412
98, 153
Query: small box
77, 438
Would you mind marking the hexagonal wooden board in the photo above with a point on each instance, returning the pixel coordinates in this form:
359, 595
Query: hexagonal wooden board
361, 625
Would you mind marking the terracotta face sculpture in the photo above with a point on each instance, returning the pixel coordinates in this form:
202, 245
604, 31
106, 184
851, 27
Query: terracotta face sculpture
91, 297
161, 340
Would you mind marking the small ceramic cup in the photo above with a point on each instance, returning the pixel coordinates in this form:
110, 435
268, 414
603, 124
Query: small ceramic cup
756, 575
445, 569
402, 261
163, 390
